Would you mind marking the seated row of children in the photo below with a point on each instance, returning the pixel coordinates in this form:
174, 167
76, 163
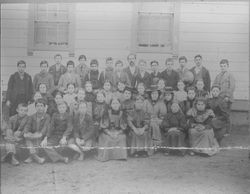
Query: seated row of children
117, 122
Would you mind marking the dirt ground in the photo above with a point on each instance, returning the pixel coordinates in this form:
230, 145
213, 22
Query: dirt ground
227, 172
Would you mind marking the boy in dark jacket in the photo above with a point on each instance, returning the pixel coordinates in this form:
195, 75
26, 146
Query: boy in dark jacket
20, 88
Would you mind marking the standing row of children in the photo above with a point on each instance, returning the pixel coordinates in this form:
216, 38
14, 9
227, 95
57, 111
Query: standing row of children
119, 112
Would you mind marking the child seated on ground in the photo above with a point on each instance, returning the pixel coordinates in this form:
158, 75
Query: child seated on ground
200, 92
84, 132
70, 96
119, 92
35, 130
59, 134
14, 132
89, 97
181, 94
112, 139
107, 88
174, 128
219, 107
140, 130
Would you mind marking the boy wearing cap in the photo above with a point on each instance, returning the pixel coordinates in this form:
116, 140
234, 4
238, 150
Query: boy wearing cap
94, 76
226, 82
35, 130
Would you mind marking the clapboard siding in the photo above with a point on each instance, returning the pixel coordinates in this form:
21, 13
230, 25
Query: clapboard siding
215, 30
218, 30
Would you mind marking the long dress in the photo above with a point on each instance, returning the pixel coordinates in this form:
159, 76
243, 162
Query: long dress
112, 148
201, 134
174, 127
156, 110
143, 142
221, 121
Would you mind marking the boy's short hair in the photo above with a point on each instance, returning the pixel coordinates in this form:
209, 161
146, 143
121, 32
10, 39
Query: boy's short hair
199, 80
61, 103
41, 101
169, 60
133, 54
21, 62
82, 57
223, 61
22, 105
183, 58
58, 55
191, 88
154, 62
215, 86
197, 56
44, 62
88, 82
70, 63
118, 62
94, 61
41, 84
73, 84
109, 59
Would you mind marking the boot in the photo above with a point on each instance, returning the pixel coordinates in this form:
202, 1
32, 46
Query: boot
38, 159
28, 160
14, 161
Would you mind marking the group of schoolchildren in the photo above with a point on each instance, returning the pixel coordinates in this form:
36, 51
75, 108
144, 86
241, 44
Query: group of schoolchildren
117, 112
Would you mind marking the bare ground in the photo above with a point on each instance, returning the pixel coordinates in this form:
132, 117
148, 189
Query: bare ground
227, 172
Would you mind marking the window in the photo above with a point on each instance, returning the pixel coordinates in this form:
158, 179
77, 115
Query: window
155, 30
51, 27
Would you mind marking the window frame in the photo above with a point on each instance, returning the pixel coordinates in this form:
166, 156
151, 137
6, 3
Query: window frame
31, 33
174, 31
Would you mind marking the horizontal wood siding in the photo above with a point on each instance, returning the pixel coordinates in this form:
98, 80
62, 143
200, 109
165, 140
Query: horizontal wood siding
218, 30
215, 30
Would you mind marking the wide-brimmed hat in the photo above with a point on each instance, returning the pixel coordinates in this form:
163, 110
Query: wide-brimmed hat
131, 89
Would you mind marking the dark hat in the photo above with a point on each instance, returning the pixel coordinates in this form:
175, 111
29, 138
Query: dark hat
153, 88
169, 89
55, 92
129, 88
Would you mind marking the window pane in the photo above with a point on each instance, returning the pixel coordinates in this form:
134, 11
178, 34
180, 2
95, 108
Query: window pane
52, 34
143, 38
40, 33
63, 34
41, 12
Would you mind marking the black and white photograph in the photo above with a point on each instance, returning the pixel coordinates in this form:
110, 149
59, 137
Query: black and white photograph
125, 97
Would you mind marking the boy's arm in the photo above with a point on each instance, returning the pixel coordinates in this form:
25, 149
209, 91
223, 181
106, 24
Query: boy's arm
69, 129
10, 88
35, 83
91, 130
231, 85
46, 125
51, 84
28, 125
78, 81
208, 81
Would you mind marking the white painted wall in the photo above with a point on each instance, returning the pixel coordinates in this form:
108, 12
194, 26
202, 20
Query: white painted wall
215, 30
